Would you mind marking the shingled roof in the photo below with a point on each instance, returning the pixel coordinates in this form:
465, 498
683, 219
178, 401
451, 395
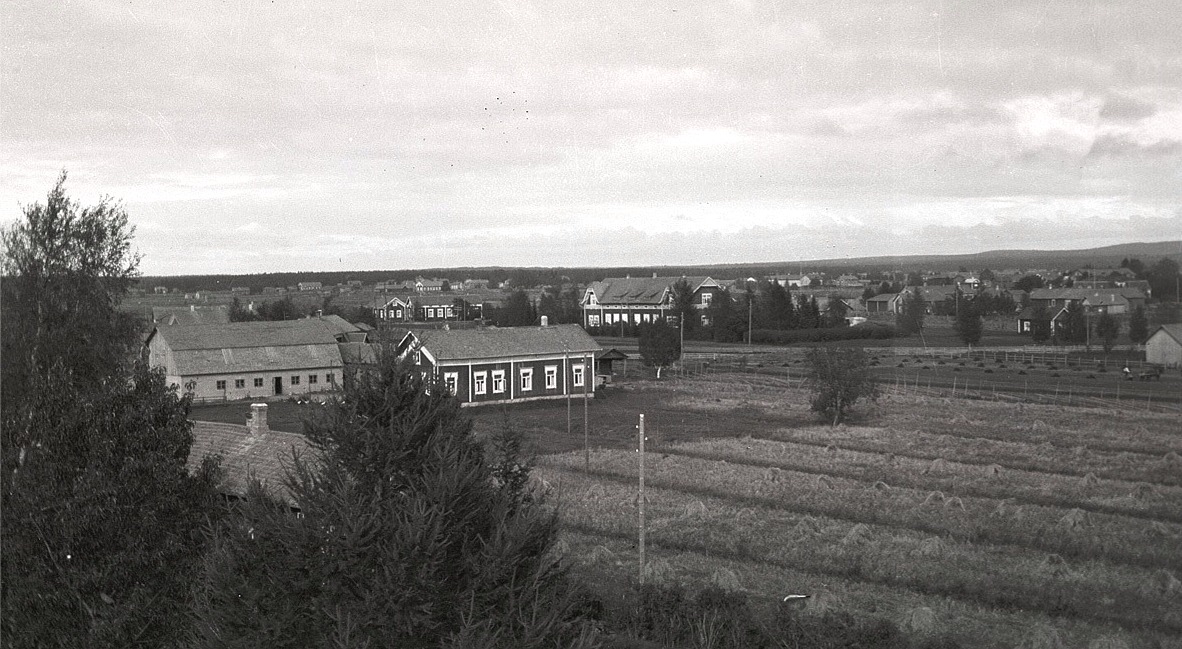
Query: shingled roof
497, 342
266, 456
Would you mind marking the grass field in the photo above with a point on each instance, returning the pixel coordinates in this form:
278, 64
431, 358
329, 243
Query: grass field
1000, 523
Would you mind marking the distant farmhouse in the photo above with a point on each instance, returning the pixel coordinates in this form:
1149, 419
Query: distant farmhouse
1056, 301
309, 286
637, 300
252, 359
506, 365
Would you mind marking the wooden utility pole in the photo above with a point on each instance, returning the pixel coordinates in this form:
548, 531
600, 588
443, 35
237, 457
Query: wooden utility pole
640, 499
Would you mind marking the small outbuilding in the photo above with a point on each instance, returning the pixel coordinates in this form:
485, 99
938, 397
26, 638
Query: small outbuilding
1164, 347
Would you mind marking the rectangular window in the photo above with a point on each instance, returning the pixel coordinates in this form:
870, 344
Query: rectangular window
527, 379
451, 380
240, 383
295, 380
551, 377
478, 382
578, 375
498, 380
312, 378
258, 383
707, 298
330, 378
221, 385
593, 321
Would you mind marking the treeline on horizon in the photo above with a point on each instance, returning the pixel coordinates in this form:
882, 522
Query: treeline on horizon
528, 277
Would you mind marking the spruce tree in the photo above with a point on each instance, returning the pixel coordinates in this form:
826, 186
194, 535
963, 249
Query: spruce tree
1138, 326
407, 535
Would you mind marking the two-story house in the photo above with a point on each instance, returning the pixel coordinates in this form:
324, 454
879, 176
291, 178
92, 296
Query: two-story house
637, 300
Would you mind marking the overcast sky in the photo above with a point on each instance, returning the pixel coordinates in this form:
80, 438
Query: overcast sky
249, 136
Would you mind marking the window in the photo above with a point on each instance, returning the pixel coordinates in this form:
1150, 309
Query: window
707, 298
478, 382
551, 377
498, 380
451, 380
418, 356
330, 378
592, 321
239, 383
258, 383
578, 375
221, 385
527, 379
295, 380
312, 378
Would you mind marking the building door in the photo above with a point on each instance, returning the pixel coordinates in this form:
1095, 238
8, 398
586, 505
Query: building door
278, 385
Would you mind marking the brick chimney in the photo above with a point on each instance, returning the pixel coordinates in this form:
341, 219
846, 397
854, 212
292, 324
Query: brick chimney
256, 424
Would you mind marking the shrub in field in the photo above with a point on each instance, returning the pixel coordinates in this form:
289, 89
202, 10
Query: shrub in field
838, 379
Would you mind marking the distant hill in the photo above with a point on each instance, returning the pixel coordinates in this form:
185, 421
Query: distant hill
1108, 256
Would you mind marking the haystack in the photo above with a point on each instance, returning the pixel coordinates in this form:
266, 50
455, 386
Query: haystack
726, 579
858, 534
920, 621
1076, 519
933, 546
695, 508
1043, 636
934, 497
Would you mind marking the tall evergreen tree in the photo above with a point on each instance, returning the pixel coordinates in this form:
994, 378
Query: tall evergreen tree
410, 534
909, 318
1107, 329
1075, 324
1040, 324
968, 322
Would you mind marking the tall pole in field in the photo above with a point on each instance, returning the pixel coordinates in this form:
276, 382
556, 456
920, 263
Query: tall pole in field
640, 500
566, 371
586, 417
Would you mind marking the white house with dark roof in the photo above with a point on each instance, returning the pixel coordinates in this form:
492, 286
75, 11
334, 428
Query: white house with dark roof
251, 360
506, 365
637, 300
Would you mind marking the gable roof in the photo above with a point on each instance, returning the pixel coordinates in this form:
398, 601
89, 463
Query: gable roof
505, 342
266, 456
641, 290
241, 347
1172, 330
884, 297
1128, 293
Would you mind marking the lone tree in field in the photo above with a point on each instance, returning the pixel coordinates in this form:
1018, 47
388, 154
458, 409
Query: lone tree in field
411, 534
660, 345
838, 379
1138, 326
1108, 329
968, 322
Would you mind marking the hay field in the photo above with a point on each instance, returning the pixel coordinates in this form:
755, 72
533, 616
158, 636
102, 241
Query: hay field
1003, 524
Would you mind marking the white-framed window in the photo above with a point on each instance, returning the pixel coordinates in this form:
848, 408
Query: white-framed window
418, 356
593, 321
527, 379
577, 372
707, 298
239, 383
258, 383
295, 379
451, 380
479, 385
221, 385
498, 381
551, 377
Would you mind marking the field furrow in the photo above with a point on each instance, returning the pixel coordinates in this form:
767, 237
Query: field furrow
1072, 533
908, 564
1157, 469
1089, 493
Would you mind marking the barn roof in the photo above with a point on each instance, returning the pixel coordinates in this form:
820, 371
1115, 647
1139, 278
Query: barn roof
883, 297
243, 347
266, 456
505, 342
